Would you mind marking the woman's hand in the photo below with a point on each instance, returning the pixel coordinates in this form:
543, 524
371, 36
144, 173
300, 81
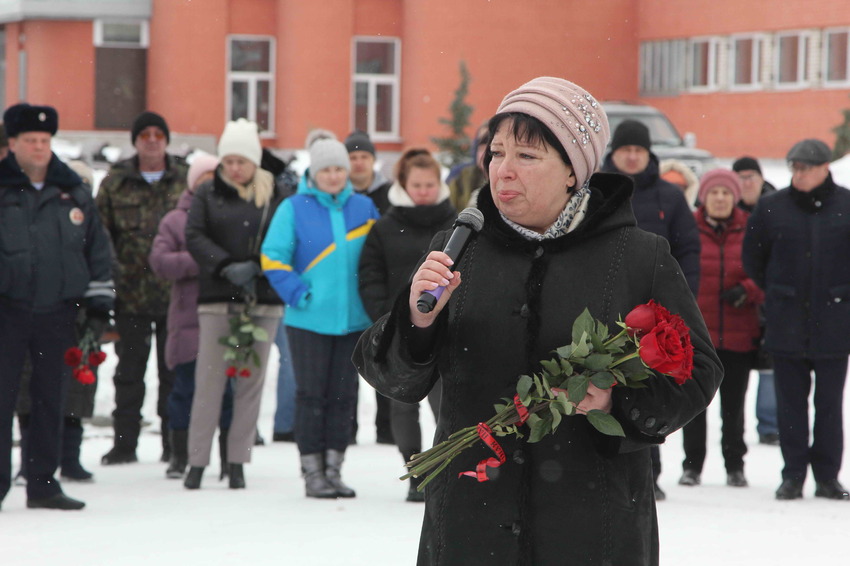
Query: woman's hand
433, 273
596, 399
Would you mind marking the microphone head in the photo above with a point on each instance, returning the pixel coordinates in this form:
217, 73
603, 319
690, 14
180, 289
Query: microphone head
471, 217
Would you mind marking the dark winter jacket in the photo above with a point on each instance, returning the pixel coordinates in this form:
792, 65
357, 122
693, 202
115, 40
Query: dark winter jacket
53, 248
660, 207
797, 249
223, 228
721, 269
393, 248
378, 191
575, 497
170, 260
766, 189
131, 209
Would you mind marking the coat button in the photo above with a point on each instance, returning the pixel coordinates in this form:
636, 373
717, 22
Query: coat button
516, 529
523, 312
519, 457
634, 414
538, 252
650, 422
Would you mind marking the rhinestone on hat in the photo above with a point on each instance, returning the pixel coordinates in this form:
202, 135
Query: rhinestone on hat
42, 116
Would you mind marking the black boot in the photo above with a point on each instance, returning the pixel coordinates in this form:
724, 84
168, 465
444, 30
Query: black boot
333, 466
179, 454
222, 452
59, 501
126, 439
413, 494
193, 478
166, 441
315, 482
72, 438
237, 476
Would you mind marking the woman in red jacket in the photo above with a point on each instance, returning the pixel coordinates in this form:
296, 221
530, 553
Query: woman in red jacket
728, 300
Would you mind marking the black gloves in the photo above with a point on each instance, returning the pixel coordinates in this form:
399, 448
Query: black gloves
241, 273
735, 296
96, 321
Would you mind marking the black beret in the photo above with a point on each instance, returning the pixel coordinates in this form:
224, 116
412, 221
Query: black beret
26, 118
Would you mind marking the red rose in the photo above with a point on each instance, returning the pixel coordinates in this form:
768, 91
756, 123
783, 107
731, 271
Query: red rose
84, 375
667, 349
245, 372
96, 358
73, 356
643, 318
231, 372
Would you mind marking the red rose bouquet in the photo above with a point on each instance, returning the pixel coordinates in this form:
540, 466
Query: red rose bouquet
651, 339
85, 356
240, 342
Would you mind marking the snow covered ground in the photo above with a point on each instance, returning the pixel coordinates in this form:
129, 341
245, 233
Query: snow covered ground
135, 517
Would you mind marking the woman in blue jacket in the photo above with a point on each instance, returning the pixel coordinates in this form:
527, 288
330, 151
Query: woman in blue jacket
310, 256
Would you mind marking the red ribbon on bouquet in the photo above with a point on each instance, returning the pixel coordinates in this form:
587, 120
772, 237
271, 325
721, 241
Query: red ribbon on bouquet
486, 436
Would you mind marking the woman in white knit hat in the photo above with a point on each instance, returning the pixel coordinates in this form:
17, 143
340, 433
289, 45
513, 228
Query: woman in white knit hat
310, 256
227, 222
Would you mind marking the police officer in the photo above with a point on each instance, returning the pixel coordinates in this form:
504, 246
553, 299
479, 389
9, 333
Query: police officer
54, 258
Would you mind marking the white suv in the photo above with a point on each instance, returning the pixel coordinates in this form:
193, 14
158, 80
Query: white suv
666, 141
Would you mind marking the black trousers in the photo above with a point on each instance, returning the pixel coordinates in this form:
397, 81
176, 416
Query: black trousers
793, 385
733, 392
133, 349
405, 422
44, 337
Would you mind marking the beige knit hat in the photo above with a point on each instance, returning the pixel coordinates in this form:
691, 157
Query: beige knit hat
240, 137
571, 113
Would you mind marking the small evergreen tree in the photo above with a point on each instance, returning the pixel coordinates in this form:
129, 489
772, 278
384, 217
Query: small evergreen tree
454, 149
842, 137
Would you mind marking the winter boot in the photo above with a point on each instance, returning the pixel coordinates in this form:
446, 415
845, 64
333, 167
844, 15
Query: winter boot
333, 466
413, 493
193, 478
222, 452
126, 440
315, 482
237, 476
179, 454
166, 441
72, 438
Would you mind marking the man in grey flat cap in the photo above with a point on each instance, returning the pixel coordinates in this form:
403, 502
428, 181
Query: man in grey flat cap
796, 249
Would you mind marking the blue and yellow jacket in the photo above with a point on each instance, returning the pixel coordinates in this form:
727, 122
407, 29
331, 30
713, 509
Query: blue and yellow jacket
310, 256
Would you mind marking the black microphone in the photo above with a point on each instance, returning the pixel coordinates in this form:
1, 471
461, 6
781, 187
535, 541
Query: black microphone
467, 225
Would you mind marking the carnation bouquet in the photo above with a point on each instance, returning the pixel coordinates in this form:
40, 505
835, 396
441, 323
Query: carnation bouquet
651, 339
239, 342
85, 356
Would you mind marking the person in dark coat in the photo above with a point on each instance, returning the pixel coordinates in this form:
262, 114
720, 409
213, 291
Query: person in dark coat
556, 239
754, 187
421, 207
796, 251
228, 219
660, 207
728, 300
54, 259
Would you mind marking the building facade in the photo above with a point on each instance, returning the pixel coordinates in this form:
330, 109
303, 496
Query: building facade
748, 76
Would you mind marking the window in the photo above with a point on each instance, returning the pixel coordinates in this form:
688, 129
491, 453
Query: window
745, 62
702, 63
376, 64
250, 80
791, 59
662, 67
120, 72
836, 64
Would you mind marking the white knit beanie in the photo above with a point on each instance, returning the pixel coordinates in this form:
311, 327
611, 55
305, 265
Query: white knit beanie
328, 153
241, 138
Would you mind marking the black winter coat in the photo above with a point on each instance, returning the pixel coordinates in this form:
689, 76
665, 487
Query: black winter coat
576, 497
797, 249
393, 248
661, 208
222, 228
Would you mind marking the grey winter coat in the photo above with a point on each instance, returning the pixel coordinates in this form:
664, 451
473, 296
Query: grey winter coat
576, 497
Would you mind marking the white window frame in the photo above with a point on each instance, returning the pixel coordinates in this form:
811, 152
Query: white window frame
756, 62
827, 83
803, 72
373, 80
662, 67
144, 35
252, 78
712, 81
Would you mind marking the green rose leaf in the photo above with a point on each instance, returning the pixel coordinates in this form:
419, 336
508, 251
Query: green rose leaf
577, 388
605, 423
564, 351
598, 362
541, 428
566, 367
260, 334
582, 327
556, 416
603, 379
551, 366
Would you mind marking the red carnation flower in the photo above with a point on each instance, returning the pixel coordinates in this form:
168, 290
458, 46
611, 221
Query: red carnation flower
73, 356
231, 372
96, 358
245, 372
84, 375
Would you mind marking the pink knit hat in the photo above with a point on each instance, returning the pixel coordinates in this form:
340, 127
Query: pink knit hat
201, 163
571, 113
722, 177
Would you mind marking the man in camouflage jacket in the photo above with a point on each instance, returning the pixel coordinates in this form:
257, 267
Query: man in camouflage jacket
131, 200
